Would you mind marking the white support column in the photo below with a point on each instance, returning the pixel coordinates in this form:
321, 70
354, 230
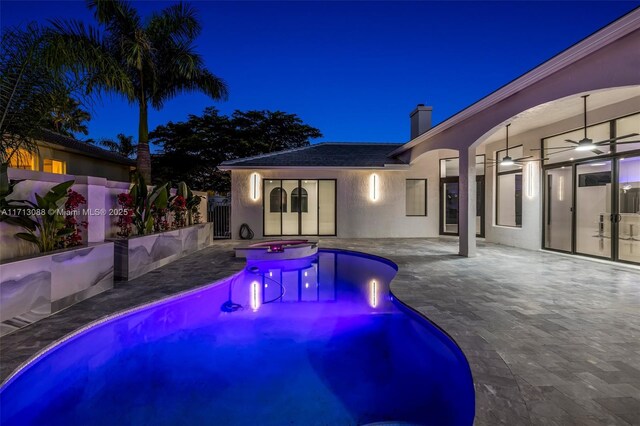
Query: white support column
467, 203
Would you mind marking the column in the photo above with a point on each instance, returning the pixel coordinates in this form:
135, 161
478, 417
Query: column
467, 203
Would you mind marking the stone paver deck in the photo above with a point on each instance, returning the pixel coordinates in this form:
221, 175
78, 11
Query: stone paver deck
551, 339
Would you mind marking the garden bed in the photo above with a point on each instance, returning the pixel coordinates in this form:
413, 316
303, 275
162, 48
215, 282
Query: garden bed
34, 287
138, 255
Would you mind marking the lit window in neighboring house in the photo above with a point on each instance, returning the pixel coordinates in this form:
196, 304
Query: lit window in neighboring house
54, 166
23, 159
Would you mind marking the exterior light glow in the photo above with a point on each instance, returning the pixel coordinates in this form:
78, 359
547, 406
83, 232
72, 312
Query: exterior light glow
373, 293
507, 161
530, 175
374, 191
561, 188
254, 186
255, 295
585, 145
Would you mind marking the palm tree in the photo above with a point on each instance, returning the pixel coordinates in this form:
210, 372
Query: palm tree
146, 61
67, 116
123, 146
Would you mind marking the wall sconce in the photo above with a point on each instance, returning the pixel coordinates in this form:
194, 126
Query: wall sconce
561, 188
255, 295
530, 171
373, 294
254, 186
374, 190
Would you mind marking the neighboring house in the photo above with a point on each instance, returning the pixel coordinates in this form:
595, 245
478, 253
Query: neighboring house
445, 180
65, 155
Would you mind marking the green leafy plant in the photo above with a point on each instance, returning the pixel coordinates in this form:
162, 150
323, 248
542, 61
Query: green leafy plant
44, 221
144, 202
191, 204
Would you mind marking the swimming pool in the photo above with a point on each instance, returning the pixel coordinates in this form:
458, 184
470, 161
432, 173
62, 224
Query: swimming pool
318, 340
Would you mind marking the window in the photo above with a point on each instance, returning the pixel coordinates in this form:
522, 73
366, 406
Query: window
416, 201
23, 159
54, 166
301, 200
509, 189
278, 200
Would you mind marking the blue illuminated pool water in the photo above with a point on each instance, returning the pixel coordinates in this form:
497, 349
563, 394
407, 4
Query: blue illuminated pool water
312, 341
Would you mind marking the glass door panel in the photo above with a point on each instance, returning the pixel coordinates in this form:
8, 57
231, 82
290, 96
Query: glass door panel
307, 196
450, 207
480, 206
290, 224
593, 209
275, 201
327, 207
557, 208
629, 209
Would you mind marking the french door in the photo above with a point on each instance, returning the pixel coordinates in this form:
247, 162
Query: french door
592, 208
293, 207
449, 205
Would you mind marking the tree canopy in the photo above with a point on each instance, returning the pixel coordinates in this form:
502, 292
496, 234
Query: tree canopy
192, 150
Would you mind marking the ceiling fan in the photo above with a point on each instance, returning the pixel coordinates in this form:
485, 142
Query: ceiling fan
586, 144
507, 160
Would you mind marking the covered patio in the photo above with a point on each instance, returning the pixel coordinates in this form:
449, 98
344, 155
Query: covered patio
551, 339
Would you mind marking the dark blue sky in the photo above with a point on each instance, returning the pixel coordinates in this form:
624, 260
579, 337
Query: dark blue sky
354, 70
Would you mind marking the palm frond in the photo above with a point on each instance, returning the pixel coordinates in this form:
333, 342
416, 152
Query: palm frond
178, 22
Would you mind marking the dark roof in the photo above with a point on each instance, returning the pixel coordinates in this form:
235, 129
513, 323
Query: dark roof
327, 154
85, 148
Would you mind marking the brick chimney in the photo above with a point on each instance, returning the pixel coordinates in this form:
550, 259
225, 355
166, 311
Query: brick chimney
420, 120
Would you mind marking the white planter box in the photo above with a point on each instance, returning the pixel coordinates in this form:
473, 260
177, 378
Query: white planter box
138, 255
35, 287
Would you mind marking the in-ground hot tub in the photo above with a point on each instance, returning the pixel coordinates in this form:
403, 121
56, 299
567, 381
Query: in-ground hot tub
278, 250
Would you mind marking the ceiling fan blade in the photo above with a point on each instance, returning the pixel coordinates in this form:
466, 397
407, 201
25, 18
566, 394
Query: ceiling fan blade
622, 143
559, 152
570, 141
553, 147
597, 151
523, 158
616, 138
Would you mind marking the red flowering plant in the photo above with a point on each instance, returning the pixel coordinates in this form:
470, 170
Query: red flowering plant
71, 213
178, 206
125, 215
160, 222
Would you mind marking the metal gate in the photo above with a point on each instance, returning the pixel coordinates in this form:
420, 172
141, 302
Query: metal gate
219, 212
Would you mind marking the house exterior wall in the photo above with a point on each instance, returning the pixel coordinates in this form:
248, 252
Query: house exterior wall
82, 165
357, 216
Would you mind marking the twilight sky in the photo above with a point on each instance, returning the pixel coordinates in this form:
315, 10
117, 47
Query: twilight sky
353, 69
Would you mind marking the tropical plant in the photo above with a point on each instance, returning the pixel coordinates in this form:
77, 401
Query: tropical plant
44, 221
125, 215
67, 116
123, 146
143, 202
71, 213
146, 62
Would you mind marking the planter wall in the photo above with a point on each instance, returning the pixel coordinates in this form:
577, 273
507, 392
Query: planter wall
36, 287
138, 255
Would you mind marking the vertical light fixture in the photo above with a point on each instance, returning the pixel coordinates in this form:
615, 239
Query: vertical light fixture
255, 295
529, 170
374, 190
254, 186
561, 188
373, 293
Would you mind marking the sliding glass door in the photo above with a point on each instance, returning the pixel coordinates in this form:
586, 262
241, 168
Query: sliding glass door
299, 207
628, 218
593, 227
558, 212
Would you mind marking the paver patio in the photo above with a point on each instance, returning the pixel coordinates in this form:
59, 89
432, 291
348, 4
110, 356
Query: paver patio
551, 339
